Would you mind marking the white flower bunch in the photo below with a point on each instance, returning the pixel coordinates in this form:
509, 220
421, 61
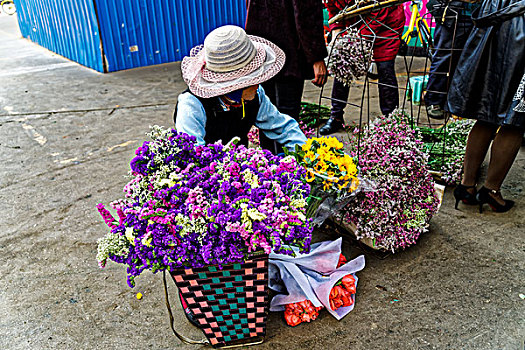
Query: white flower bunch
350, 57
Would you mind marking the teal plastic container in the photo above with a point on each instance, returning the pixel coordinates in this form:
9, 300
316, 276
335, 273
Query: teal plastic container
415, 88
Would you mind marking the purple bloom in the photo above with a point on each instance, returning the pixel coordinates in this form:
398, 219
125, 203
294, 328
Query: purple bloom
139, 165
191, 205
398, 210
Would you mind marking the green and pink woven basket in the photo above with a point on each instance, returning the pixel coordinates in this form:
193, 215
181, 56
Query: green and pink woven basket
230, 303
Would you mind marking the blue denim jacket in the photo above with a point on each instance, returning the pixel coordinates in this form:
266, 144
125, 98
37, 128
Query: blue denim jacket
191, 119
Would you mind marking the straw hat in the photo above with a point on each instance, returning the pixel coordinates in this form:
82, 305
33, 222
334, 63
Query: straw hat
230, 60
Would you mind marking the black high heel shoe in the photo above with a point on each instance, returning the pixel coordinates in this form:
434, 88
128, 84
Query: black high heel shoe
461, 193
484, 196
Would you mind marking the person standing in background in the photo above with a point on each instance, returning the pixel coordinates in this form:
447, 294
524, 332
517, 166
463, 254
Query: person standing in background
296, 27
488, 87
386, 25
453, 26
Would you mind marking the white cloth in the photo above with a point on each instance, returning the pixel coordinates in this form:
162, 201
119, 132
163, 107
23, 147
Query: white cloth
311, 276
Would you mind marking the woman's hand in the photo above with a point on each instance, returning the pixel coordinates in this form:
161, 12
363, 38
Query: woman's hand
320, 72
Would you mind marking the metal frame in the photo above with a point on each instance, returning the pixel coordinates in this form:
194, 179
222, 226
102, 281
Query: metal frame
415, 116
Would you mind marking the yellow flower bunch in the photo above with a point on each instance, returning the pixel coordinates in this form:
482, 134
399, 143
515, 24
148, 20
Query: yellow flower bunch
327, 164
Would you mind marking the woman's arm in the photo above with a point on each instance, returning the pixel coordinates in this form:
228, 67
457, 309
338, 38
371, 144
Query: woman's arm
277, 126
191, 117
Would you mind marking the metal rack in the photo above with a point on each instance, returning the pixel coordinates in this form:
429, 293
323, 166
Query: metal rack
361, 13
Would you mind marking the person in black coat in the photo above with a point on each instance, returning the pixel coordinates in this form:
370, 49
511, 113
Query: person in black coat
296, 27
484, 87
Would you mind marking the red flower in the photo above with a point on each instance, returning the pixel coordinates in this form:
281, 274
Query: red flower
334, 293
342, 260
305, 317
335, 297
346, 298
332, 305
349, 283
292, 319
303, 311
341, 293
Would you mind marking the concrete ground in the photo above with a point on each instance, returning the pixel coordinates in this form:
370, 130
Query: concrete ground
67, 134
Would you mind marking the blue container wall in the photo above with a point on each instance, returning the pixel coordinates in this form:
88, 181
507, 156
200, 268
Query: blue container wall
67, 27
142, 33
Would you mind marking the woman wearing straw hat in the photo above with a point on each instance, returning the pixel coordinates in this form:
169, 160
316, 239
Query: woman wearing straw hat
224, 99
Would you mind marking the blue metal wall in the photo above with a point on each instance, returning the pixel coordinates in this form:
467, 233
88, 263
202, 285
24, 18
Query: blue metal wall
138, 33
67, 27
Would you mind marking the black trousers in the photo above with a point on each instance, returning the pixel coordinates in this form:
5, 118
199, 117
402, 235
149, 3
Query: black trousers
450, 38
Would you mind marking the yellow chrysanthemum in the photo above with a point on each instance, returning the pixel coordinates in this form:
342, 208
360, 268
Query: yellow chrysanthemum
351, 169
310, 156
308, 145
323, 151
321, 166
324, 156
335, 143
309, 176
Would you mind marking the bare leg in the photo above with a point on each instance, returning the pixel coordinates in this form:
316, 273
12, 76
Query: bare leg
477, 146
502, 154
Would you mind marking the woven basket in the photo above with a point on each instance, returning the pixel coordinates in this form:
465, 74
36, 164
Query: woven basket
230, 303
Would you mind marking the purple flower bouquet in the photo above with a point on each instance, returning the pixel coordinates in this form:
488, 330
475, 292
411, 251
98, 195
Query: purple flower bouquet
399, 209
350, 57
192, 206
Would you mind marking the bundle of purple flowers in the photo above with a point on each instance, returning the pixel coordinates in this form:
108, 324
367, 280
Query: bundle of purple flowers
189, 205
350, 57
404, 200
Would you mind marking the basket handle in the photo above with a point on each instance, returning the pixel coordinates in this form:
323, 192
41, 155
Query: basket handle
181, 337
